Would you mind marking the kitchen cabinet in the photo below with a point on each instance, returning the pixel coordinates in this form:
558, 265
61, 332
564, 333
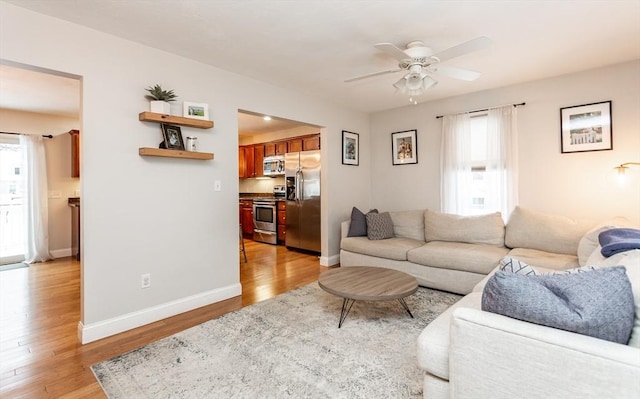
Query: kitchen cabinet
275, 148
246, 161
258, 158
251, 157
75, 153
304, 143
282, 221
246, 217
310, 143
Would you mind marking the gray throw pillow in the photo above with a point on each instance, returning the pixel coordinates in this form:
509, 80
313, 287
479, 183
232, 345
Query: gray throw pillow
598, 303
379, 226
358, 225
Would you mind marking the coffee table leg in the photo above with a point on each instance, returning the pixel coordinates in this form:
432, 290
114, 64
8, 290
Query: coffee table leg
346, 307
405, 306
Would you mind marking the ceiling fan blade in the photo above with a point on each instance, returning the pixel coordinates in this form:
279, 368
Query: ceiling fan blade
464, 48
457, 73
373, 74
393, 51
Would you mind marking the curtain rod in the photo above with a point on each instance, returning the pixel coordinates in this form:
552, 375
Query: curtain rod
46, 136
479, 110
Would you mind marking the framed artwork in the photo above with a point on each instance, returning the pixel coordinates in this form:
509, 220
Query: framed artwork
404, 147
350, 148
195, 110
172, 136
586, 128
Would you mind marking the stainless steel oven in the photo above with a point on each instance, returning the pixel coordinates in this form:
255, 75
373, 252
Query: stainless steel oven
265, 221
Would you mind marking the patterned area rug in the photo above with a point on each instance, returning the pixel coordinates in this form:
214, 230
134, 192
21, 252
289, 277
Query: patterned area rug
285, 347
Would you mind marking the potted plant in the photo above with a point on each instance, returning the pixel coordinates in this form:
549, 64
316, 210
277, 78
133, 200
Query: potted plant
159, 99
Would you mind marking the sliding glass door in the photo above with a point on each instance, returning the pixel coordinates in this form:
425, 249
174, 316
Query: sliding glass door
12, 234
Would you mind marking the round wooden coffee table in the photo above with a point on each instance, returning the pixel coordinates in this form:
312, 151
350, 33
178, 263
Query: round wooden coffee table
364, 283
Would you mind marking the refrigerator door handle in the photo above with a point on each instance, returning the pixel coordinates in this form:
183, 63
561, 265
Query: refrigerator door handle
300, 185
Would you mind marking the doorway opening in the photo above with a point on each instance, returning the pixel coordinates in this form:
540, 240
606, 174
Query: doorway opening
12, 242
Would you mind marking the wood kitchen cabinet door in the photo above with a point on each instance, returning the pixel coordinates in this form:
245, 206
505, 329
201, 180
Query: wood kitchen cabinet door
282, 221
295, 145
311, 142
258, 158
246, 218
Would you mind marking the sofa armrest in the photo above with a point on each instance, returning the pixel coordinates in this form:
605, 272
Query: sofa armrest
344, 229
493, 356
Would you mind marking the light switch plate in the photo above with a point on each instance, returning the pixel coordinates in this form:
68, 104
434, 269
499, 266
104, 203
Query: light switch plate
55, 194
217, 185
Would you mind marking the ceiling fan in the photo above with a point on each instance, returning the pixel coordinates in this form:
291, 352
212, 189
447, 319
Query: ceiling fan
420, 62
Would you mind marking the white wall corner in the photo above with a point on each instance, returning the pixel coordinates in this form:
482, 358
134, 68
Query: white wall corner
106, 328
329, 260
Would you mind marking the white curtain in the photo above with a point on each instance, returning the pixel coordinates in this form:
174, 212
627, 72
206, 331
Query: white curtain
501, 175
455, 164
501, 179
35, 200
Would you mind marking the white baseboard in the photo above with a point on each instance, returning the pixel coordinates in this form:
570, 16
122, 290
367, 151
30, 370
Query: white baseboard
61, 253
105, 328
329, 260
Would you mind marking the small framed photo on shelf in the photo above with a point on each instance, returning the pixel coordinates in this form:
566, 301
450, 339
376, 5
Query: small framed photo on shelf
350, 148
172, 136
404, 147
586, 128
195, 110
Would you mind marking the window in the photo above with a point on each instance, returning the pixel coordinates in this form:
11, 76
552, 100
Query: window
479, 162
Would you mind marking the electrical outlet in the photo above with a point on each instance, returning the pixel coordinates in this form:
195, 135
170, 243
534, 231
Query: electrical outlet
217, 185
145, 280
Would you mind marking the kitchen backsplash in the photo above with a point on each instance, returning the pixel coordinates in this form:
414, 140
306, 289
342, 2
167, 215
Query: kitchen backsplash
260, 185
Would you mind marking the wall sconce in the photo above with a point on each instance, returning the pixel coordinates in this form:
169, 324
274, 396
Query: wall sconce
622, 168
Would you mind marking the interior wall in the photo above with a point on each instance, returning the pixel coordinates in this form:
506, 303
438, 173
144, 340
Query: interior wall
581, 185
59, 180
161, 215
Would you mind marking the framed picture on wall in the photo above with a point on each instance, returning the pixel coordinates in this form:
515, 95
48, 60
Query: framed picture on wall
195, 110
586, 128
404, 147
350, 148
172, 136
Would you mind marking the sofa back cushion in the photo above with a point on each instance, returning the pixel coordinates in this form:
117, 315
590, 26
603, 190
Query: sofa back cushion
408, 224
544, 232
484, 229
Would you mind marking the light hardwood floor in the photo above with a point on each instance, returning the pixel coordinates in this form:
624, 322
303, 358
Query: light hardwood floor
40, 356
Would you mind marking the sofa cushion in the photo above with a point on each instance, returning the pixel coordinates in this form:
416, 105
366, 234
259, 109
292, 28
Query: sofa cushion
392, 248
408, 224
433, 342
473, 258
589, 242
379, 226
544, 259
544, 232
358, 225
598, 303
483, 229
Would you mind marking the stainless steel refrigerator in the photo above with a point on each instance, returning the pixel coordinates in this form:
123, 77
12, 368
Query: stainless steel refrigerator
302, 177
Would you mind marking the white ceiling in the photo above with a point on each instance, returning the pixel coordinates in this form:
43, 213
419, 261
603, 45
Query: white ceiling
312, 46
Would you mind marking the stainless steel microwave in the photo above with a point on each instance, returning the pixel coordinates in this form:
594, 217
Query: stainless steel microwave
273, 166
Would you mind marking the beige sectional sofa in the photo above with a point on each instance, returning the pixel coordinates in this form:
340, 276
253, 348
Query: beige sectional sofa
454, 253
469, 353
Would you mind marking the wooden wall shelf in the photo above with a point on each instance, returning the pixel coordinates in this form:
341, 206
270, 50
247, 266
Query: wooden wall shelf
174, 120
159, 152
